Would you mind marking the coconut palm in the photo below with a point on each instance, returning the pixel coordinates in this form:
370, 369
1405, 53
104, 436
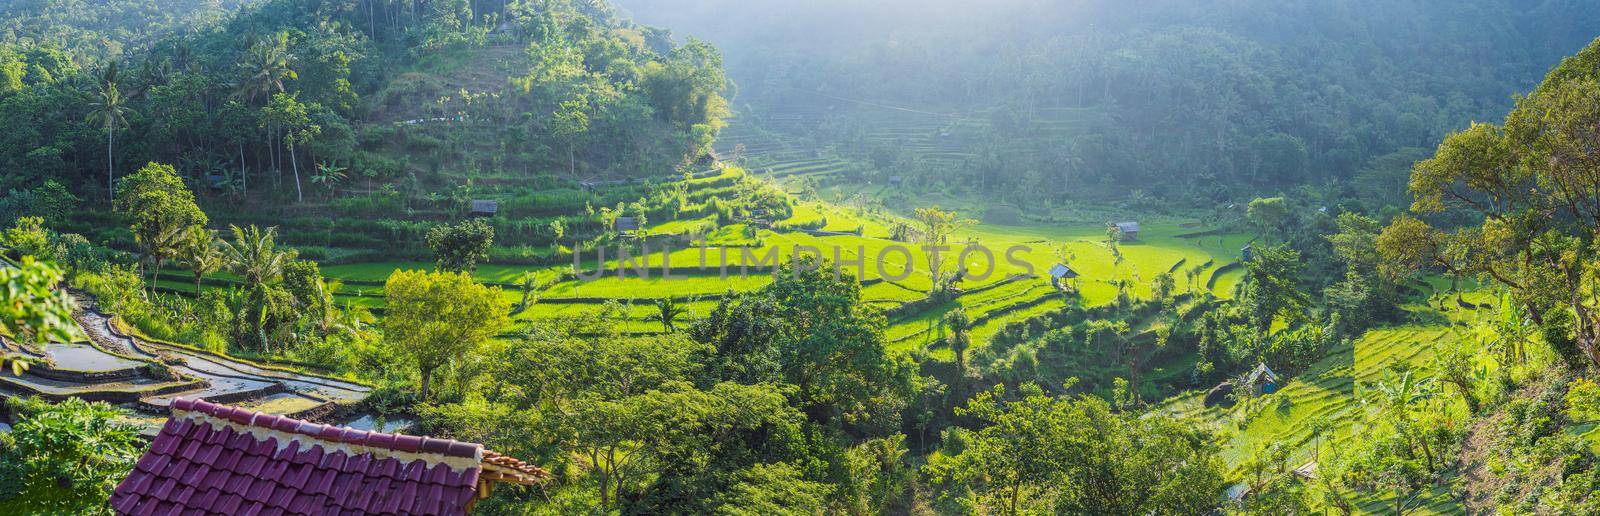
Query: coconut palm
667, 311
959, 340
110, 112
200, 253
253, 255
266, 67
160, 246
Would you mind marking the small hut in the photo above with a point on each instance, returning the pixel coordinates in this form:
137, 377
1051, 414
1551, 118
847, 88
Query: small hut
485, 208
1130, 230
626, 224
1262, 380
1247, 252
896, 180
1060, 272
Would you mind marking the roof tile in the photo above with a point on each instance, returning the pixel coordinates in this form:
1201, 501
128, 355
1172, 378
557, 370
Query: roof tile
260, 490
228, 503
354, 436
333, 461
320, 482
311, 456
282, 496
190, 449
287, 452
195, 475
265, 447
357, 464
124, 504
274, 470
408, 443
229, 459
380, 440
330, 433
415, 472
206, 499
431, 502
297, 475
184, 495
460, 449
174, 468
439, 446
237, 484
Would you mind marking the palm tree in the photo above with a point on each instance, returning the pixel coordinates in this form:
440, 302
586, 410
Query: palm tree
668, 311
200, 253
163, 244
253, 255
959, 341
266, 66
110, 112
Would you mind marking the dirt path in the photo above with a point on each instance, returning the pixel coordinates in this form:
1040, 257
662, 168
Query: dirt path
1480, 483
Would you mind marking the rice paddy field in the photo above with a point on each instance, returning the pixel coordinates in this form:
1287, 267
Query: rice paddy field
1331, 391
892, 272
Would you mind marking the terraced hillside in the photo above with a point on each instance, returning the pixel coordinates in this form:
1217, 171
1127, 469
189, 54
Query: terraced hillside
1331, 391
108, 363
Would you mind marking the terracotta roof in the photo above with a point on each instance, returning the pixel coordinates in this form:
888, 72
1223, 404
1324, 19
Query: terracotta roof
211, 459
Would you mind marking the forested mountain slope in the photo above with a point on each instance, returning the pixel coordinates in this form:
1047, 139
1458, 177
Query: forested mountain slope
1049, 96
290, 104
105, 28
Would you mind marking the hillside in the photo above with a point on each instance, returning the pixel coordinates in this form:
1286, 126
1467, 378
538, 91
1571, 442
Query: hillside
1031, 101
92, 31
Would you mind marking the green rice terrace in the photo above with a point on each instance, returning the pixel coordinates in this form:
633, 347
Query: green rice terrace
110, 363
1011, 292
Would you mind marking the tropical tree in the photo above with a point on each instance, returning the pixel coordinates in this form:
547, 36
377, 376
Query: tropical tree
329, 175
286, 114
959, 340
934, 227
254, 256
1041, 453
161, 210
433, 318
834, 355
1271, 287
265, 68
110, 112
1532, 184
35, 310
64, 458
201, 254
667, 311
1396, 396
568, 124
459, 247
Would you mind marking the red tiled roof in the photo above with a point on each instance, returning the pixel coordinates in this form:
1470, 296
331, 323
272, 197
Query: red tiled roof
212, 459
